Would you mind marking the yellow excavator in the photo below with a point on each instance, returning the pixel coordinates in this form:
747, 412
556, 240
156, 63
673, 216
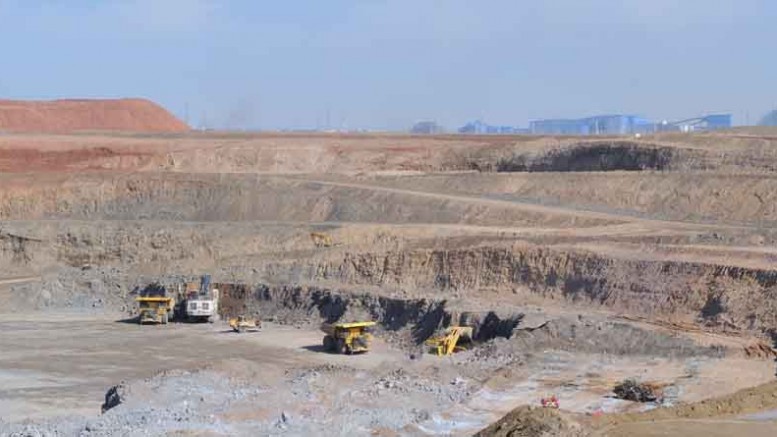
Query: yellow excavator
347, 338
449, 341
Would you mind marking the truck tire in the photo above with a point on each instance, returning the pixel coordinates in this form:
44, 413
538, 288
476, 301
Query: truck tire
361, 343
329, 343
341, 346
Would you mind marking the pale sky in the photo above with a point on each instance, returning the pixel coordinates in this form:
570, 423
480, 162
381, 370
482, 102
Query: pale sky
383, 64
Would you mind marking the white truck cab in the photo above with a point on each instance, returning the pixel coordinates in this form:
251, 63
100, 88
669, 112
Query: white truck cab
203, 307
201, 303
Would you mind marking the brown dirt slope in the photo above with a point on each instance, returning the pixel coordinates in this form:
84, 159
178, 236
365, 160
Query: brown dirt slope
749, 400
131, 115
528, 421
723, 416
718, 416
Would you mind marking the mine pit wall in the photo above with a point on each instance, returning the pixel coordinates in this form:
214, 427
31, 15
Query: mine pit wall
713, 295
622, 155
718, 296
413, 319
742, 199
211, 199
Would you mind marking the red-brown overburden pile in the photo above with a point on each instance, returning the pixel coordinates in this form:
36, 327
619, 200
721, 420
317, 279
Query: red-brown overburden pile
59, 116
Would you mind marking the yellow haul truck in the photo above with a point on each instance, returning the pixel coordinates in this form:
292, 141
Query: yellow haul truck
347, 338
155, 309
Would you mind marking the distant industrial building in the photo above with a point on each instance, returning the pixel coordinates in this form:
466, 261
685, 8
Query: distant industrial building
626, 125
703, 124
559, 126
479, 127
613, 124
427, 127
598, 125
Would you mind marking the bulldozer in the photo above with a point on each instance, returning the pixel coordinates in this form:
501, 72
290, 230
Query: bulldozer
242, 324
450, 340
156, 309
347, 338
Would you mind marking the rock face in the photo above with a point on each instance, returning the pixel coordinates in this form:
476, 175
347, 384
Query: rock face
114, 397
61, 116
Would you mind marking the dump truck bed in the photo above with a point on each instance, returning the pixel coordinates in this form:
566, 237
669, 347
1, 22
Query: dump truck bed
154, 299
333, 328
354, 325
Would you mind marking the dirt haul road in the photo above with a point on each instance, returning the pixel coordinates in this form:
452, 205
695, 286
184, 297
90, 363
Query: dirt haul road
61, 364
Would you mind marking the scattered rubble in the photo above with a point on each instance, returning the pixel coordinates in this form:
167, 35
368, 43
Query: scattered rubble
631, 390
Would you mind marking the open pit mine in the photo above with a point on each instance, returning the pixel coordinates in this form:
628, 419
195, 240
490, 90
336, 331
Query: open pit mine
160, 281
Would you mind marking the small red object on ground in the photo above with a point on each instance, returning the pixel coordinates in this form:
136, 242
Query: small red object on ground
551, 402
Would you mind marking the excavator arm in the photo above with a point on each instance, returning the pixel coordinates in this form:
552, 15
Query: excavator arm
447, 343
